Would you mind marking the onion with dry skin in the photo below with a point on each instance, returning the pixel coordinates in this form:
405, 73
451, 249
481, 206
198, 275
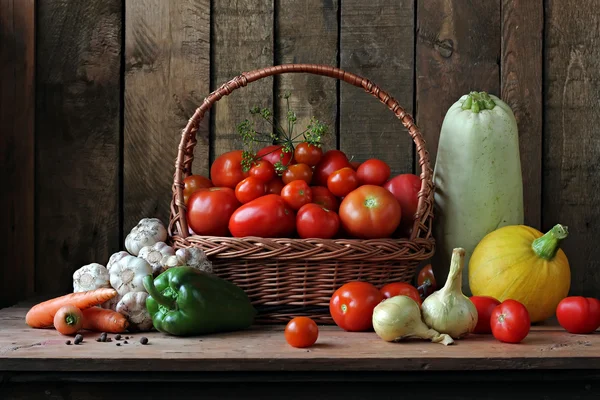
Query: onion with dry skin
399, 318
448, 310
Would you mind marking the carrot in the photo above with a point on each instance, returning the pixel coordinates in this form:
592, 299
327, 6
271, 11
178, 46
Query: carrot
104, 320
42, 315
68, 320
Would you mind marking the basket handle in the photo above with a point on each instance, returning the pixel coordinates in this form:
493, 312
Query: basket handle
185, 154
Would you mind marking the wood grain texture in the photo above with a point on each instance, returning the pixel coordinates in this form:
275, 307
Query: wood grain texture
242, 40
167, 76
77, 137
377, 43
538, 388
307, 32
571, 147
457, 50
17, 107
263, 348
522, 37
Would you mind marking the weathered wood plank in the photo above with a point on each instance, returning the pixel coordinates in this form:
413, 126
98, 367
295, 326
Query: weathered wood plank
242, 40
263, 348
571, 146
77, 137
293, 388
301, 28
377, 42
522, 31
457, 50
17, 106
167, 75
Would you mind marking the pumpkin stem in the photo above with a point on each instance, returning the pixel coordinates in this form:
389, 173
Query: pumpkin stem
546, 246
477, 101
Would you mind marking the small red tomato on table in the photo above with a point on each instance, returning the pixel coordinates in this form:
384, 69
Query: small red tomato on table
484, 305
352, 304
510, 321
426, 280
578, 314
301, 332
401, 289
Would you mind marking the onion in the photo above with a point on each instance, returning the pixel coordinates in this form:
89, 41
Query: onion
399, 317
448, 310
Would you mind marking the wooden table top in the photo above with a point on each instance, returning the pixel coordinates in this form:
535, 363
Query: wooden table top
263, 348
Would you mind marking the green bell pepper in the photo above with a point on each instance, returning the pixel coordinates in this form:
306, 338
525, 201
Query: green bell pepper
185, 301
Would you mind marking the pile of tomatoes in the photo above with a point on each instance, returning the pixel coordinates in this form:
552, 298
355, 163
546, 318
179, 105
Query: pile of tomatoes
316, 195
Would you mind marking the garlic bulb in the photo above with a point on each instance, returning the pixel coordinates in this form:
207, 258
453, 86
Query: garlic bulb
112, 303
133, 307
127, 274
89, 277
116, 257
146, 233
399, 318
155, 255
195, 258
448, 310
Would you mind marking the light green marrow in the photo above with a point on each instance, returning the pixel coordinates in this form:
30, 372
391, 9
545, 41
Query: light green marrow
477, 176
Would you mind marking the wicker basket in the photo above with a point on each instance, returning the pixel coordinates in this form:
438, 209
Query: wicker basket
291, 277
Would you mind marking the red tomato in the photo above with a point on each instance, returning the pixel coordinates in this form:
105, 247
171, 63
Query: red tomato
227, 171
578, 314
263, 170
274, 186
355, 164
426, 277
405, 188
273, 154
322, 196
249, 189
342, 181
297, 172
373, 172
370, 212
485, 305
401, 289
331, 161
510, 321
209, 210
301, 332
296, 194
193, 183
268, 216
314, 221
351, 306
308, 154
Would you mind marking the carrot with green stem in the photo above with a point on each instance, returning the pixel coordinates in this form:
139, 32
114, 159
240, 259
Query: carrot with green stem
42, 315
104, 320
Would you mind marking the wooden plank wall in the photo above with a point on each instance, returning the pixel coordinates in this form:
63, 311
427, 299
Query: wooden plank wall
88, 146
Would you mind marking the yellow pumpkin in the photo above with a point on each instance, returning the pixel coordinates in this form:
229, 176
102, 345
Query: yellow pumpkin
520, 263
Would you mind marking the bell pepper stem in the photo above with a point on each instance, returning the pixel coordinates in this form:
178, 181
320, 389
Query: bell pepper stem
546, 246
477, 101
156, 295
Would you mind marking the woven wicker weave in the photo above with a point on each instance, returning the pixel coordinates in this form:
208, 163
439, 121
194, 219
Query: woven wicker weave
285, 278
